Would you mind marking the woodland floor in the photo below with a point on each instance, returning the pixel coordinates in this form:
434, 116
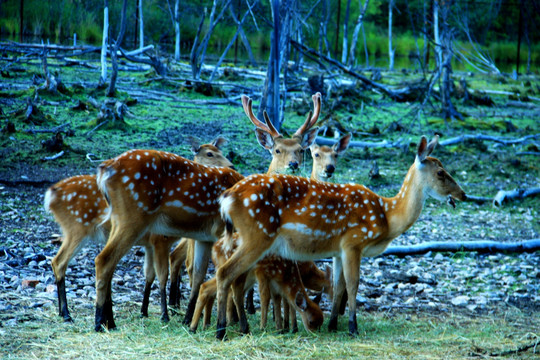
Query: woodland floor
443, 305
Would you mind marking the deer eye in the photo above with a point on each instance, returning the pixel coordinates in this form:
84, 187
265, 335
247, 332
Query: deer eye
209, 154
440, 173
316, 155
277, 151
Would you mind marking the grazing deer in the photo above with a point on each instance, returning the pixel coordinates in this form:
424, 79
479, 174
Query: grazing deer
304, 219
80, 209
275, 276
287, 154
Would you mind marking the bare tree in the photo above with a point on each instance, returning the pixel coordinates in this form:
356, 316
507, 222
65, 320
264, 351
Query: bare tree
198, 51
104, 43
436, 36
357, 27
141, 23
111, 91
177, 30
323, 28
242, 33
445, 67
346, 33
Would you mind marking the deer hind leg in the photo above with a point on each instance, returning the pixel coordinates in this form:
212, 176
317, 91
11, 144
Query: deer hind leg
278, 319
264, 295
239, 263
162, 246
202, 255
71, 245
119, 243
238, 287
351, 273
339, 290
177, 258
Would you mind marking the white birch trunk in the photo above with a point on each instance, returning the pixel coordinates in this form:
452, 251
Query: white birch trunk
390, 48
437, 38
105, 42
177, 30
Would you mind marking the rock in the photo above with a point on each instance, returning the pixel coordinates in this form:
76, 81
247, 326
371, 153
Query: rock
29, 283
460, 300
50, 288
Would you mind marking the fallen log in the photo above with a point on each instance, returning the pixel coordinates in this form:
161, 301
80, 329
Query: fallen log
364, 144
483, 247
517, 194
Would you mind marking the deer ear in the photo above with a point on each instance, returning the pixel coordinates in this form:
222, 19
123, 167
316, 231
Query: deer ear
264, 139
308, 138
219, 142
343, 143
422, 149
432, 144
300, 301
195, 146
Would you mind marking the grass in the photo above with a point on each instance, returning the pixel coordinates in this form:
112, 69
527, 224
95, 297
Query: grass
393, 335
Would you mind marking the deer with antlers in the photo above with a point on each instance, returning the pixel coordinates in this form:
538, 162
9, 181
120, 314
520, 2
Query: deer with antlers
304, 219
287, 155
80, 209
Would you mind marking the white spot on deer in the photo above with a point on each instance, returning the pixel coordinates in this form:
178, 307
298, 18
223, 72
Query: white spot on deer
125, 179
372, 218
251, 213
364, 229
370, 234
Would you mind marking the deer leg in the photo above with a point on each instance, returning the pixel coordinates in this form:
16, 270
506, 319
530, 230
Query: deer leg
351, 273
238, 296
149, 275
339, 289
250, 305
203, 252
176, 259
69, 248
206, 294
278, 319
162, 246
119, 243
239, 263
264, 294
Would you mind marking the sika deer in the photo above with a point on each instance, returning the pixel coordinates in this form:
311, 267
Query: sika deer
305, 219
80, 210
287, 154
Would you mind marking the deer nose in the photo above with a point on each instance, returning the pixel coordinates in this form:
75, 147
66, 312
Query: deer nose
293, 165
330, 169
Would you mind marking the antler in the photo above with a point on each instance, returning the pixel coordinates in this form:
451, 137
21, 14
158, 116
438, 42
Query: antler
311, 120
268, 127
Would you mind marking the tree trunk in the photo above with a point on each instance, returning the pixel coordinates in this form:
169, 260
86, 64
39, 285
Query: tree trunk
437, 39
336, 42
323, 31
357, 27
346, 34
105, 42
21, 20
141, 24
243, 36
177, 30
445, 68
390, 48
114, 53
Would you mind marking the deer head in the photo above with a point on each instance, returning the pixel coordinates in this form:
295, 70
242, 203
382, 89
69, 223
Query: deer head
286, 153
325, 157
210, 154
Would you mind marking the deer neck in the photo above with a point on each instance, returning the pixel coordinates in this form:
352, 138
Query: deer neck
403, 210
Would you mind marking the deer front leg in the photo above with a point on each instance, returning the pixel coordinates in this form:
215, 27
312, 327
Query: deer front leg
207, 294
203, 252
339, 289
149, 275
351, 273
177, 259
162, 246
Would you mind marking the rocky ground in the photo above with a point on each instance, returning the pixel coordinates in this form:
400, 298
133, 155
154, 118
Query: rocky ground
439, 283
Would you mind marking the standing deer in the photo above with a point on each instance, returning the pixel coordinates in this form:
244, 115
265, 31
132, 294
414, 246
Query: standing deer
305, 219
80, 209
287, 154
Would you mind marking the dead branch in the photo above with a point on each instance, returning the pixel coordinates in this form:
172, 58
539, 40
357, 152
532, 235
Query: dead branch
482, 137
484, 247
363, 144
484, 353
54, 130
478, 199
54, 157
517, 194
308, 51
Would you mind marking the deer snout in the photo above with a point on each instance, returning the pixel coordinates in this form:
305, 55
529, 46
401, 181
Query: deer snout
293, 165
330, 169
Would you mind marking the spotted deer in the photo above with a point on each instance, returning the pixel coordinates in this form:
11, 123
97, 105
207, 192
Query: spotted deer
281, 275
287, 155
80, 209
303, 219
